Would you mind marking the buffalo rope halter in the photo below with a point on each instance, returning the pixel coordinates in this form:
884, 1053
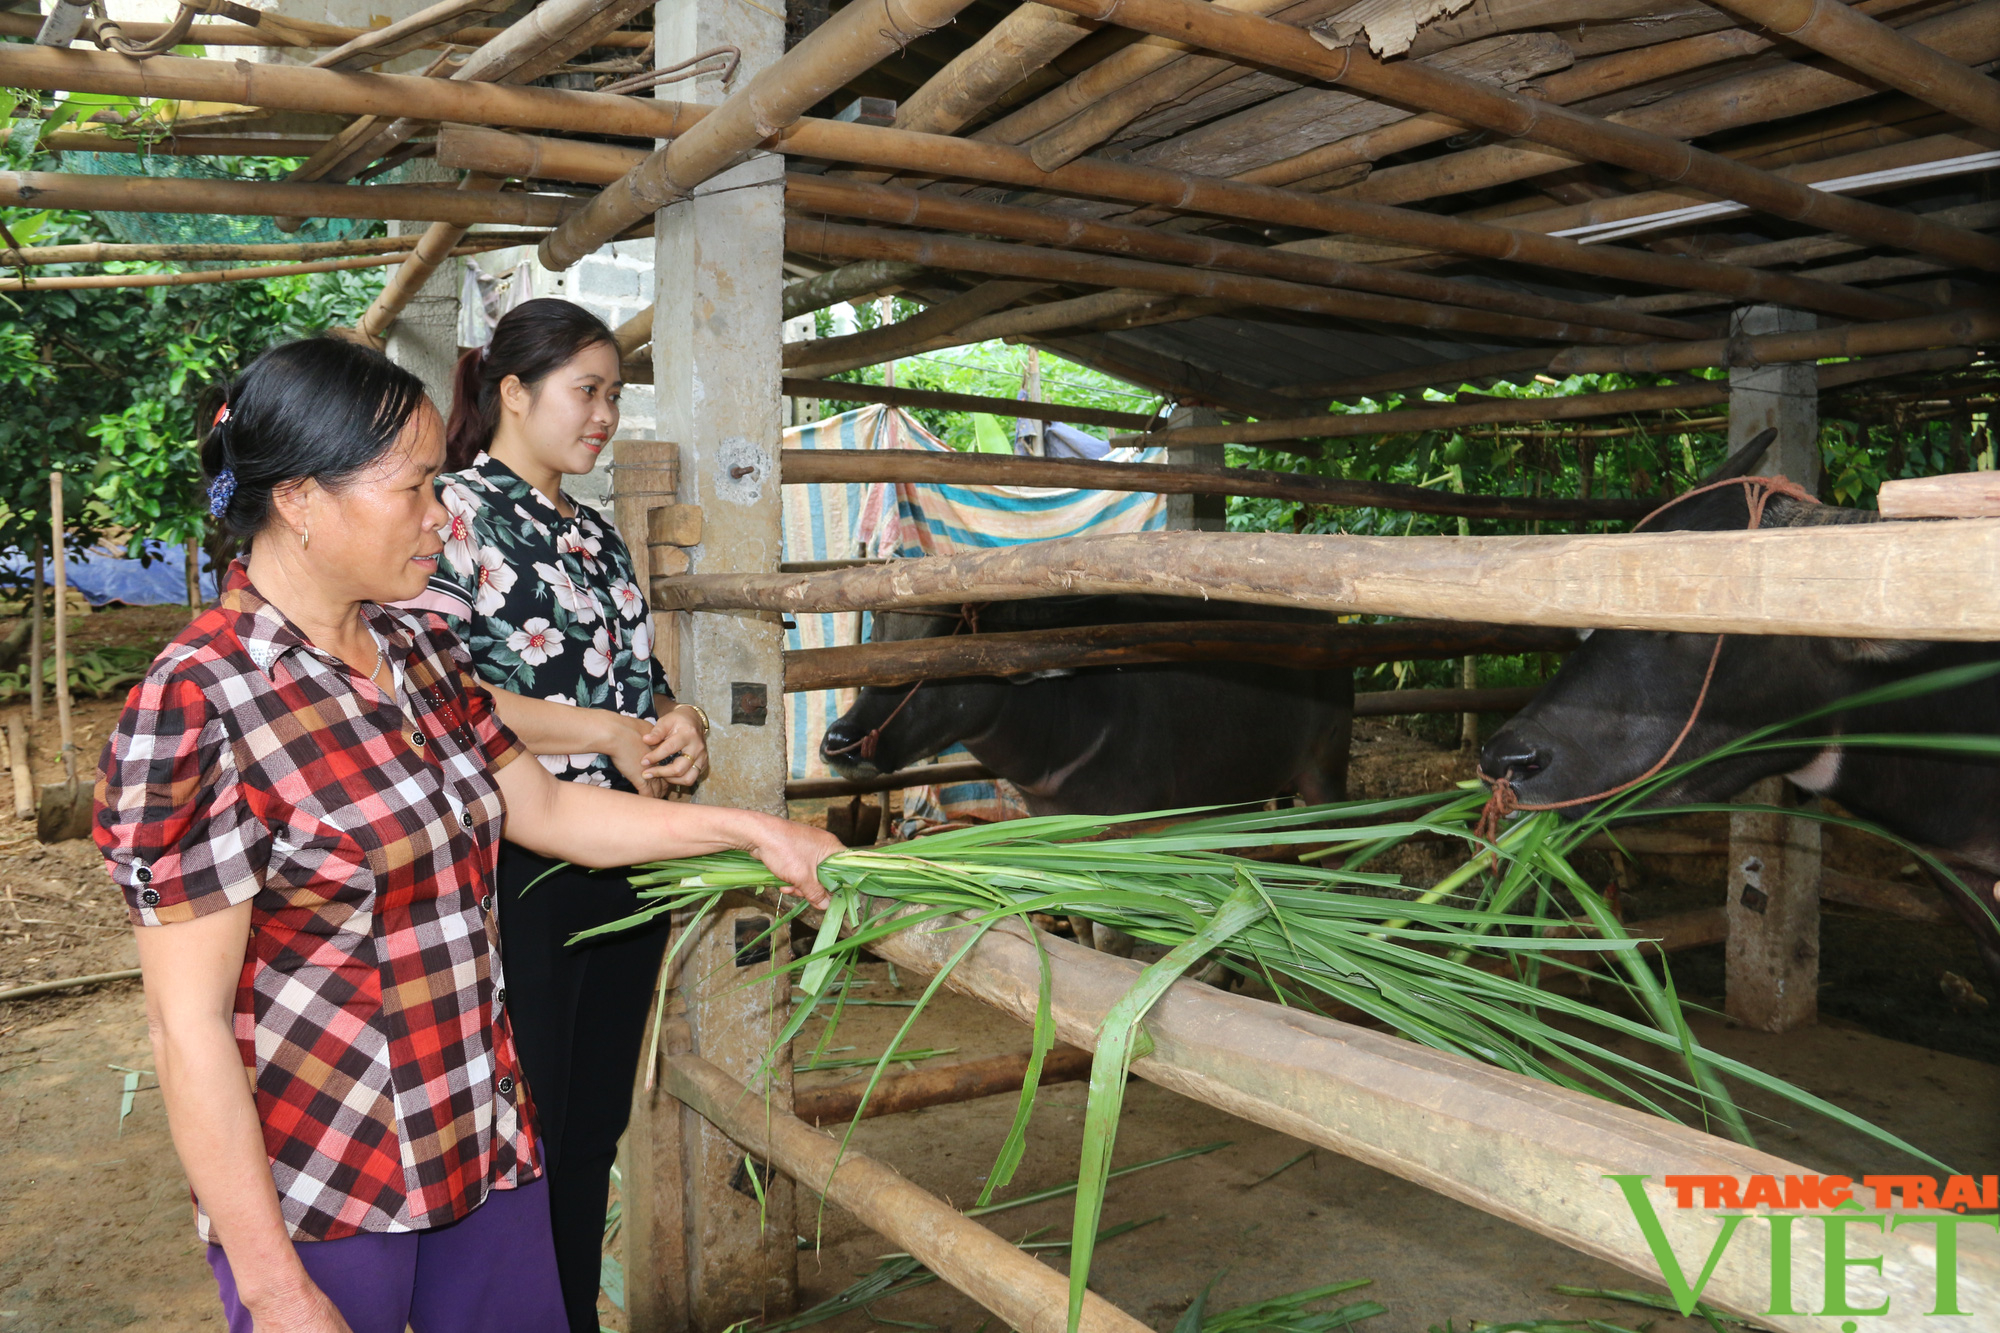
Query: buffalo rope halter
967, 619
1502, 802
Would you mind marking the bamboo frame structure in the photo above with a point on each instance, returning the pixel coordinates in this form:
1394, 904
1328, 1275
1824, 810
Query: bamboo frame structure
316, 34
1875, 49
537, 108
1268, 42
1703, 393
779, 95
1953, 328
841, 391
146, 194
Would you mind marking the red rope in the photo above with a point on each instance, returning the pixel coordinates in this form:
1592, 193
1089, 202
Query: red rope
968, 618
1501, 800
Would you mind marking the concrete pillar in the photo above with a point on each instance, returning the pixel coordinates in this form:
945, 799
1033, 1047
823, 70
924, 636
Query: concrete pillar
1773, 910
703, 1251
1196, 513
1785, 396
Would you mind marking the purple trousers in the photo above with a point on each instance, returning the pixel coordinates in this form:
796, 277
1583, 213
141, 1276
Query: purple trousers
493, 1271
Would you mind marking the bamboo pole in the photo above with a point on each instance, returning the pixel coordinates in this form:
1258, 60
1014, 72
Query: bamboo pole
438, 243
20, 764
942, 318
316, 34
977, 77
1872, 580
1519, 116
1307, 647
913, 467
200, 277
101, 252
1950, 329
815, 237
529, 156
845, 45
1877, 50
38, 593
145, 194
1971, 34
851, 282
1027, 1294
1406, 703
919, 775
407, 34
180, 145
960, 402
294, 88
1704, 393
937, 1085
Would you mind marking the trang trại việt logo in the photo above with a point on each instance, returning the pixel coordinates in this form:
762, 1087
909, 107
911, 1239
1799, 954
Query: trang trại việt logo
1831, 1202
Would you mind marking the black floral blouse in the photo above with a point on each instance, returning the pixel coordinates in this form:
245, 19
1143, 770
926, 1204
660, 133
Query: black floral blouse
550, 607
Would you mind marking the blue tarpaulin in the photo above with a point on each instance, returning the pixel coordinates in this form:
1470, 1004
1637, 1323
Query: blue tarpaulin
105, 579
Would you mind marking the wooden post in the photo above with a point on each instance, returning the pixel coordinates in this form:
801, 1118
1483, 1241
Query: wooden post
644, 474
1195, 513
1774, 873
62, 619
1785, 396
701, 1252
37, 590
1031, 385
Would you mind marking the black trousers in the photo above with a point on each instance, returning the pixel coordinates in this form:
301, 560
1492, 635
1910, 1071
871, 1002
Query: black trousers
579, 1019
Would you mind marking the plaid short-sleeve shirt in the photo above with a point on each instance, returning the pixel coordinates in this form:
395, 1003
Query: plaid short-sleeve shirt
251, 766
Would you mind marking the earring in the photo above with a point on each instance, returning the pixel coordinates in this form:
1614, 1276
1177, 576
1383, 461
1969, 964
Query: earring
305, 538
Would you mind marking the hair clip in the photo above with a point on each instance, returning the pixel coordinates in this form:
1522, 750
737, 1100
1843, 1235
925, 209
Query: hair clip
221, 489
221, 415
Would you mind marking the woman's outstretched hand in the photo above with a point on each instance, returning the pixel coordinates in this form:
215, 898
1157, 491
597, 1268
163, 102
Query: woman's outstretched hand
793, 852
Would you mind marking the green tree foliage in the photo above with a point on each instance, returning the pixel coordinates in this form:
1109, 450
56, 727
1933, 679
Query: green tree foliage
108, 384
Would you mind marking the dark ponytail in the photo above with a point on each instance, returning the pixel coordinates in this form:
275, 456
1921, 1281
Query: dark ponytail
532, 341
320, 408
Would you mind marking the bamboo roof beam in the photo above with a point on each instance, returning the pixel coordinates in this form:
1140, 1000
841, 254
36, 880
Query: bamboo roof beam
850, 282
1487, 412
896, 396
313, 34
148, 194
781, 93
1518, 116
1879, 51
1971, 35
941, 318
1020, 322
294, 88
837, 240
419, 29
1015, 47
439, 243
513, 154
101, 252
1951, 329
201, 277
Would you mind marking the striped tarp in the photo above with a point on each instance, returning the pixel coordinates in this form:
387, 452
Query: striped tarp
833, 521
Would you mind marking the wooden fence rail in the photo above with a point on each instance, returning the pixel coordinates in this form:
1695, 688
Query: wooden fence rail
1270, 643
1874, 580
807, 466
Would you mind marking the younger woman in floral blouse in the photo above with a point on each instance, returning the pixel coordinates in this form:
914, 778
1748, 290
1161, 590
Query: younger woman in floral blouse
543, 593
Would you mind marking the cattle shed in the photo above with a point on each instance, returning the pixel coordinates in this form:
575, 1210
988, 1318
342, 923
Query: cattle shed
1253, 208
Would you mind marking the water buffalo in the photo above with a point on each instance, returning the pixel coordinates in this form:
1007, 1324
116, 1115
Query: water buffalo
1622, 697
1113, 740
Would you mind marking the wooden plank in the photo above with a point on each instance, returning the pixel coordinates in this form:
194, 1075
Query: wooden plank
1272, 643
1530, 1153
1954, 495
806, 466
1027, 1294
1874, 580
1773, 906
645, 473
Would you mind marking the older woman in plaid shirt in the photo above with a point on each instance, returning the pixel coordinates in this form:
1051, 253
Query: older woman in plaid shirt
303, 803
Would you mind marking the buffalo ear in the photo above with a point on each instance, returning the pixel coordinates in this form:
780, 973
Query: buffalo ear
1880, 652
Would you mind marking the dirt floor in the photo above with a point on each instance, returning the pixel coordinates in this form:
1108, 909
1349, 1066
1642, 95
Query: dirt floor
96, 1229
